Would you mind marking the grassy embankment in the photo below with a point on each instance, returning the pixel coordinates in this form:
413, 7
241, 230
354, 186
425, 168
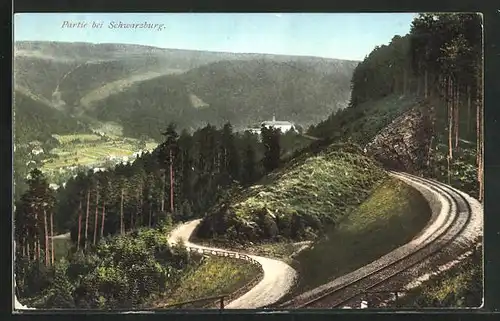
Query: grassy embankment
459, 287
390, 217
216, 276
295, 202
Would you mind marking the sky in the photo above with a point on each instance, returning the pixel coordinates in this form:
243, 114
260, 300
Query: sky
331, 35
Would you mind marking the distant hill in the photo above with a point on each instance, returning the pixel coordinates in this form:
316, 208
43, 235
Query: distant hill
144, 87
240, 91
36, 120
250, 91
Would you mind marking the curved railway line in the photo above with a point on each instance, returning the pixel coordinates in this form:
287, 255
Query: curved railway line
454, 218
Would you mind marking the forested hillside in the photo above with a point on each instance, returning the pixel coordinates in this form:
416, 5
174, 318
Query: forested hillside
240, 92
35, 120
244, 92
40, 75
179, 181
427, 85
415, 105
436, 69
143, 88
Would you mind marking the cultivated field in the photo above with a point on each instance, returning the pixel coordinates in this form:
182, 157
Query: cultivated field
92, 150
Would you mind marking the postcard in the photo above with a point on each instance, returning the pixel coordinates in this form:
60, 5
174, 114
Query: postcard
268, 161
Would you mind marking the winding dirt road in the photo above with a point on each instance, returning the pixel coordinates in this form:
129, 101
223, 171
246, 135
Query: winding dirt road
278, 278
456, 223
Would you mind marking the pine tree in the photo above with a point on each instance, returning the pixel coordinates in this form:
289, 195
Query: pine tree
96, 217
249, 160
79, 240
32, 213
87, 218
271, 142
187, 164
169, 150
231, 161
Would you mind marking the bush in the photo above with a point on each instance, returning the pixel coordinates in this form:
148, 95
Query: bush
38, 278
61, 294
120, 272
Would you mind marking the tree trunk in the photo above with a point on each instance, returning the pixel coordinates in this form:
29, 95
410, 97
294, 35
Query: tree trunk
79, 226
480, 138
102, 219
449, 100
52, 236
450, 119
404, 81
23, 249
468, 110
122, 231
150, 213
419, 85
37, 237
426, 89
132, 220
162, 199
171, 183
457, 115
429, 152
142, 207
87, 219
96, 215
28, 250
46, 234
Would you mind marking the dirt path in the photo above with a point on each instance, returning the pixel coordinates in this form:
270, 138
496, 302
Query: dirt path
66, 236
278, 278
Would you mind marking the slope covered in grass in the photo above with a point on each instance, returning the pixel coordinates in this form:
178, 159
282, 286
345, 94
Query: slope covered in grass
362, 122
215, 276
389, 218
298, 201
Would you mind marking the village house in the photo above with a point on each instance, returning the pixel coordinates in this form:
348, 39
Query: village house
37, 151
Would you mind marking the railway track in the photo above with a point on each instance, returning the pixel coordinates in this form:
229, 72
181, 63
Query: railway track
454, 217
